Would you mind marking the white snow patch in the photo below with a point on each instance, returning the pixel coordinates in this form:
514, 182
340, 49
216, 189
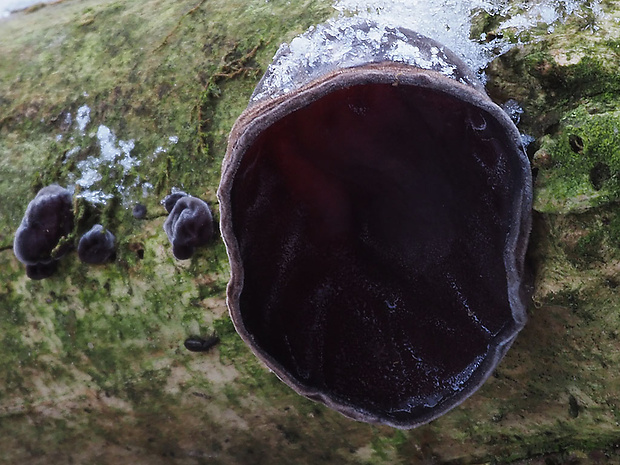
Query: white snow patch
114, 159
82, 118
447, 21
146, 187
107, 143
341, 42
90, 172
128, 162
111, 153
10, 6
66, 123
96, 196
513, 109
526, 139
72, 152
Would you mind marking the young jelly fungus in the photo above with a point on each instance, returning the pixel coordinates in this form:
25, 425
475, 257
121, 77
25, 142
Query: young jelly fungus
189, 225
139, 211
199, 344
48, 218
97, 246
170, 200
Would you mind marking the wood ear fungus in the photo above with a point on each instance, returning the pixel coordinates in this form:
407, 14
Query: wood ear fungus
48, 219
376, 219
97, 246
189, 224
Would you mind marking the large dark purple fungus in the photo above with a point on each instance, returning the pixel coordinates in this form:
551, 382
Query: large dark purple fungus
189, 225
38, 240
376, 220
97, 246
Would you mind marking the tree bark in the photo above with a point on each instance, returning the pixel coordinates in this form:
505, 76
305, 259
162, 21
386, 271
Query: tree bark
93, 363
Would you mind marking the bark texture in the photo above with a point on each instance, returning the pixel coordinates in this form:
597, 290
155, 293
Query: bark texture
93, 367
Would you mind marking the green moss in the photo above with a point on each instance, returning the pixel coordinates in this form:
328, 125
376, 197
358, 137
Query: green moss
584, 167
143, 72
592, 76
557, 73
385, 446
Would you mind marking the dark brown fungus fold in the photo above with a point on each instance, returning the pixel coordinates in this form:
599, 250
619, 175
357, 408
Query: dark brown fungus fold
376, 220
189, 224
41, 270
48, 219
200, 344
97, 246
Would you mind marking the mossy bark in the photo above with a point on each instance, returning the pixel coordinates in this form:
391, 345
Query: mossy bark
93, 366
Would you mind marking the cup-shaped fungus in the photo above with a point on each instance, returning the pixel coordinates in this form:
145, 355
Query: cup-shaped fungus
376, 217
97, 246
189, 224
48, 219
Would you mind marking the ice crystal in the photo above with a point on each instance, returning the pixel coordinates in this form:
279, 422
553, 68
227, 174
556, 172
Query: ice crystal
112, 153
368, 31
82, 118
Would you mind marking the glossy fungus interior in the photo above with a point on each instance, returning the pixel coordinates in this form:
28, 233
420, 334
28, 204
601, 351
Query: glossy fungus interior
372, 225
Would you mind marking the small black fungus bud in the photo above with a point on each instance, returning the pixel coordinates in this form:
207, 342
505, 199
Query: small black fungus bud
96, 246
189, 225
171, 200
48, 218
199, 344
139, 211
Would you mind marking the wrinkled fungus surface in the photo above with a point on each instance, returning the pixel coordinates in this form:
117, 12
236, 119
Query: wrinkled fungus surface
189, 225
170, 200
48, 218
376, 228
97, 246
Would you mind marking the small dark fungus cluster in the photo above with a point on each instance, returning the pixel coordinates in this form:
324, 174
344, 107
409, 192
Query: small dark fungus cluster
200, 344
43, 235
48, 219
376, 220
139, 211
97, 246
189, 224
